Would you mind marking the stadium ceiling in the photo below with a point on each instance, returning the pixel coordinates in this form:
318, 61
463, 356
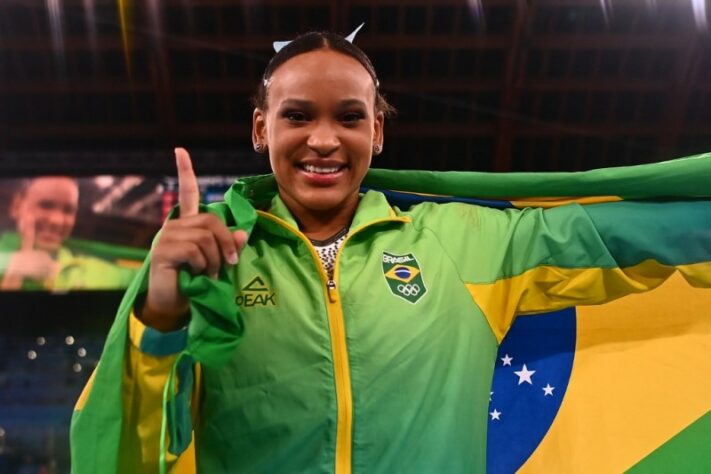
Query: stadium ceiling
113, 85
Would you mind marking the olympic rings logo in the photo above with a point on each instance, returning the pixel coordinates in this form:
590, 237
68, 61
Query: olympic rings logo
409, 290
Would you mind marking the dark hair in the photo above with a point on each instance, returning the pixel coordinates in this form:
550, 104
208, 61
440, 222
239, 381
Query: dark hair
312, 41
23, 184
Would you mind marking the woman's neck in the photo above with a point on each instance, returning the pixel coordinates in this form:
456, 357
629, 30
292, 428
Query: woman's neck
322, 224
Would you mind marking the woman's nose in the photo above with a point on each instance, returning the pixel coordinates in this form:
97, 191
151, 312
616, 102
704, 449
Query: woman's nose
55, 217
323, 139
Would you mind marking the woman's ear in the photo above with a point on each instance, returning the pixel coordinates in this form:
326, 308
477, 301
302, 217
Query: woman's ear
259, 131
378, 131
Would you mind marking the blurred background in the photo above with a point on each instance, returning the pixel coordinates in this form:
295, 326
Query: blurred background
103, 90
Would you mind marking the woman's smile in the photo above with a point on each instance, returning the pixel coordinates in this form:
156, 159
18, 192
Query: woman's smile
323, 172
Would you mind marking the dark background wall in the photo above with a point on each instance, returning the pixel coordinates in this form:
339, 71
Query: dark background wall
108, 86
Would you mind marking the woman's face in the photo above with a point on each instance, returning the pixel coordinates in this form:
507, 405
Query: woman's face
319, 128
49, 205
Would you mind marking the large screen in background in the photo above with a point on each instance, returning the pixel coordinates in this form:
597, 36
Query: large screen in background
63, 233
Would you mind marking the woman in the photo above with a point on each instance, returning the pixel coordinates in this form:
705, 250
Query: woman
370, 332
38, 255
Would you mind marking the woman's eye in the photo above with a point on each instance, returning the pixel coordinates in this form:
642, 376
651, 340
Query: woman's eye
351, 117
293, 116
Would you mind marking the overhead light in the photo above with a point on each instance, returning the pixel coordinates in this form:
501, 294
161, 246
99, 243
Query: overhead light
699, 7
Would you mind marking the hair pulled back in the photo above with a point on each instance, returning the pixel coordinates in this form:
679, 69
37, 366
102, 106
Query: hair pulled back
312, 41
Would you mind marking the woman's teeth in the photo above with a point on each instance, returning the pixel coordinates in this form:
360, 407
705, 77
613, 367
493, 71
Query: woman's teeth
322, 170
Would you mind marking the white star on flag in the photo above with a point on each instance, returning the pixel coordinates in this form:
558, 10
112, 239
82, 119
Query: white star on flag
548, 390
490, 394
524, 375
495, 414
506, 359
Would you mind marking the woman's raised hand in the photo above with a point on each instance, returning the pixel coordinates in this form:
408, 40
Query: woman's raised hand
199, 241
27, 262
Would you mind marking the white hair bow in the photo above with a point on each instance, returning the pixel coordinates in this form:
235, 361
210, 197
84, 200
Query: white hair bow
278, 45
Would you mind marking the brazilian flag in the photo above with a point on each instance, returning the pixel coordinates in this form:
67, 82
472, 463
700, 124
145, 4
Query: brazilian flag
622, 386
610, 388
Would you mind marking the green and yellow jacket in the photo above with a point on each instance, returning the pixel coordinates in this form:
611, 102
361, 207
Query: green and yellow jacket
387, 366
79, 270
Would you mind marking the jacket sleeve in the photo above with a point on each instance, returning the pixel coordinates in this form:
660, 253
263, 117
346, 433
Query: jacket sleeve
534, 260
148, 360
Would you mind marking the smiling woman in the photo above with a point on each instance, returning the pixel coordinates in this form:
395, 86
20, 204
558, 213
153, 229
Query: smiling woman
46, 208
321, 118
38, 253
320, 127
44, 211
367, 332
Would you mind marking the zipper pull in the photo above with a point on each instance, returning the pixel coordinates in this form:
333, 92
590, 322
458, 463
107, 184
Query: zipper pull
332, 295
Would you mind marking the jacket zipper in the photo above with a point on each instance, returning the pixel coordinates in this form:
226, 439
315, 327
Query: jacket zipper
331, 288
339, 348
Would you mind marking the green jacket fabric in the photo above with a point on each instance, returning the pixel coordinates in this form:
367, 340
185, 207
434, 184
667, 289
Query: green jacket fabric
77, 271
387, 367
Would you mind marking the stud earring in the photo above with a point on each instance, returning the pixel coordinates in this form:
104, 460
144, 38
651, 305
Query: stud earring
377, 149
258, 147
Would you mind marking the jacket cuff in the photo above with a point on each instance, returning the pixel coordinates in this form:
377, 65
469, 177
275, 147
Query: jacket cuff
153, 342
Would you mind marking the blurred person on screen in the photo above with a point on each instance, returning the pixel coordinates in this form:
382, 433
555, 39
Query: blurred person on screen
35, 257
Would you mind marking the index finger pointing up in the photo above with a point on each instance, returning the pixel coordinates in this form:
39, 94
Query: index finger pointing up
26, 227
188, 190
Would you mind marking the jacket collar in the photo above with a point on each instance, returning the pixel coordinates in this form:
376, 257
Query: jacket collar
372, 207
11, 241
262, 193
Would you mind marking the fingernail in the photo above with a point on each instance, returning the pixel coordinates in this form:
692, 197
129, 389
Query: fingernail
232, 258
214, 276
